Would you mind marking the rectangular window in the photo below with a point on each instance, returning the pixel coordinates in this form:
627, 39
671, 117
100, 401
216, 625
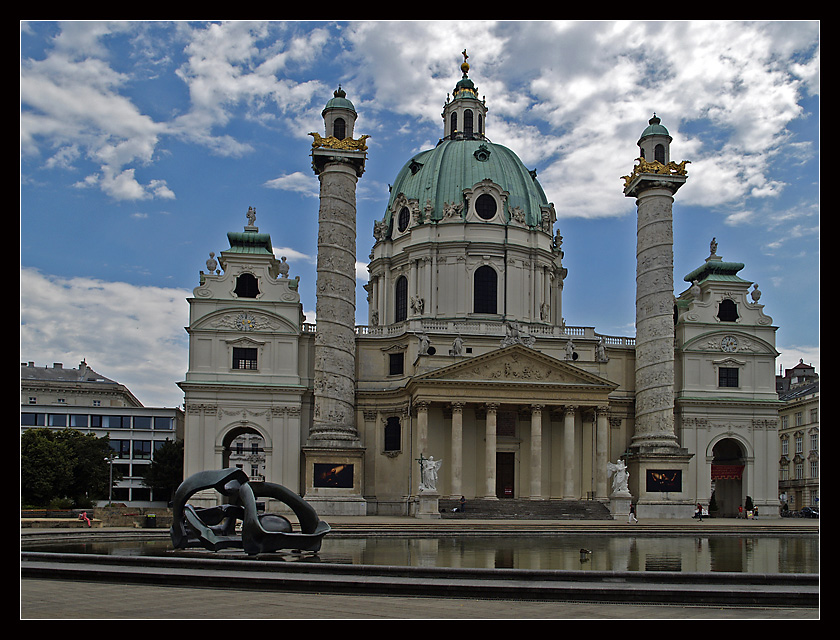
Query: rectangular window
142, 422
395, 364
33, 419
244, 358
57, 420
78, 421
164, 424
392, 434
728, 377
142, 450
122, 448
115, 422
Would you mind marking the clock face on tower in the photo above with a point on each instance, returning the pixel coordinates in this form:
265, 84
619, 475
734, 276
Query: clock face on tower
729, 344
245, 322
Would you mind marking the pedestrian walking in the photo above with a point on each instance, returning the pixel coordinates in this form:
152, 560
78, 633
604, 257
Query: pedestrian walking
632, 517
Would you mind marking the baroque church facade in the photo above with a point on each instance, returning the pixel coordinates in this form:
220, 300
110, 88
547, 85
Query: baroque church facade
466, 365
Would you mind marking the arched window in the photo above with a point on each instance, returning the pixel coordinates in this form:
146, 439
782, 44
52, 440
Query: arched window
485, 282
340, 128
401, 299
453, 123
659, 153
480, 124
468, 121
727, 311
247, 286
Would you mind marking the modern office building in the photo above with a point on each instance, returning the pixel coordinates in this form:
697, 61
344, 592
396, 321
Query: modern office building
60, 398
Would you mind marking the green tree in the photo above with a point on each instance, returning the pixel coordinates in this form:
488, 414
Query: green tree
166, 472
46, 467
91, 475
63, 464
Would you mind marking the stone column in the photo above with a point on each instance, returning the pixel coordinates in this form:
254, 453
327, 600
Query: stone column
654, 319
422, 427
602, 443
569, 453
654, 447
490, 452
536, 452
335, 306
457, 462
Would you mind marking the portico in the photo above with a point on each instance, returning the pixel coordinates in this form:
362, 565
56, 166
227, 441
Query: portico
513, 422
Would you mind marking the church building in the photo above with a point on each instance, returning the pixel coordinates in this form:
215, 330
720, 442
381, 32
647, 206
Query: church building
466, 381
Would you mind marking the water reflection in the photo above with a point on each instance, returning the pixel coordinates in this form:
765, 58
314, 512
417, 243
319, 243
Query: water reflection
704, 554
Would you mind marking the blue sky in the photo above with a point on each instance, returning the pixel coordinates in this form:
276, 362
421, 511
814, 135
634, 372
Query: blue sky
144, 143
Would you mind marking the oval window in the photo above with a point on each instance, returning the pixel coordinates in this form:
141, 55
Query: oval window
485, 206
402, 219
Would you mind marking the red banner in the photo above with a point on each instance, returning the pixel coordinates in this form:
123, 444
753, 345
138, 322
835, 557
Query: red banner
727, 471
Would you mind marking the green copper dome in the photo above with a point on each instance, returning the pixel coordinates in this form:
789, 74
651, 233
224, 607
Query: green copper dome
339, 101
654, 129
440, 175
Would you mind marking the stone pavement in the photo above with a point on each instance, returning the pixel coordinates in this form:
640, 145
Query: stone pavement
52, 600
44, 599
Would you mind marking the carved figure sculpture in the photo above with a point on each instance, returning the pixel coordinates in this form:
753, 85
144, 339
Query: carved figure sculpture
214, 528
429, 473
620, 476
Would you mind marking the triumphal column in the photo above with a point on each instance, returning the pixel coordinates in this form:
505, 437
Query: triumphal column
333, 452
656, 462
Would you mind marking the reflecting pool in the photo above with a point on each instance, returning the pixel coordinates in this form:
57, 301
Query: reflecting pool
757, 554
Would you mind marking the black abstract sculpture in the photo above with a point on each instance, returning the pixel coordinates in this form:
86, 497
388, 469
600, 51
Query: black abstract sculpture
214, 528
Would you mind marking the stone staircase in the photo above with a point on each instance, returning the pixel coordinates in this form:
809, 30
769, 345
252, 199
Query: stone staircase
515, 509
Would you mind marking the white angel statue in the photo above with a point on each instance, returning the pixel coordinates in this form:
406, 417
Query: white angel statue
620, 476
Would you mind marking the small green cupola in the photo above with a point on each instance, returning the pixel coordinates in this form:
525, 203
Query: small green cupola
339, 116
655, 142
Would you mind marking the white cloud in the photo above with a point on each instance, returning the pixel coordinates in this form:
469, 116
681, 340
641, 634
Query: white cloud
293, 254
362, 271
134, 335
297, 182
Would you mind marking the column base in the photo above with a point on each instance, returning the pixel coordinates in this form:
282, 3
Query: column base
427, 506
334, 479
659, 480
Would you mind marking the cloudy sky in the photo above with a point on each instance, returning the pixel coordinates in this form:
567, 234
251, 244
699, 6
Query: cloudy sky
144, 143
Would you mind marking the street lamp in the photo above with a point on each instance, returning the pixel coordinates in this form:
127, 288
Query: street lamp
110, 461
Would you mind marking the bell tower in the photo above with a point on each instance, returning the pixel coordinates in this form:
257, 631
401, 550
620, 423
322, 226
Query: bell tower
333, 452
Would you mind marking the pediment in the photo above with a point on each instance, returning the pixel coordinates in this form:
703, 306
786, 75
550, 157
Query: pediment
516, 364
245, 320
729, 340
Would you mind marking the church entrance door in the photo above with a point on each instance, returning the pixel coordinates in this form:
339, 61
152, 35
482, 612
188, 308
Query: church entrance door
504, 474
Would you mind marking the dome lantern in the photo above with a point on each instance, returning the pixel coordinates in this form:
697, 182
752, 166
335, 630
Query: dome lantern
464, 116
